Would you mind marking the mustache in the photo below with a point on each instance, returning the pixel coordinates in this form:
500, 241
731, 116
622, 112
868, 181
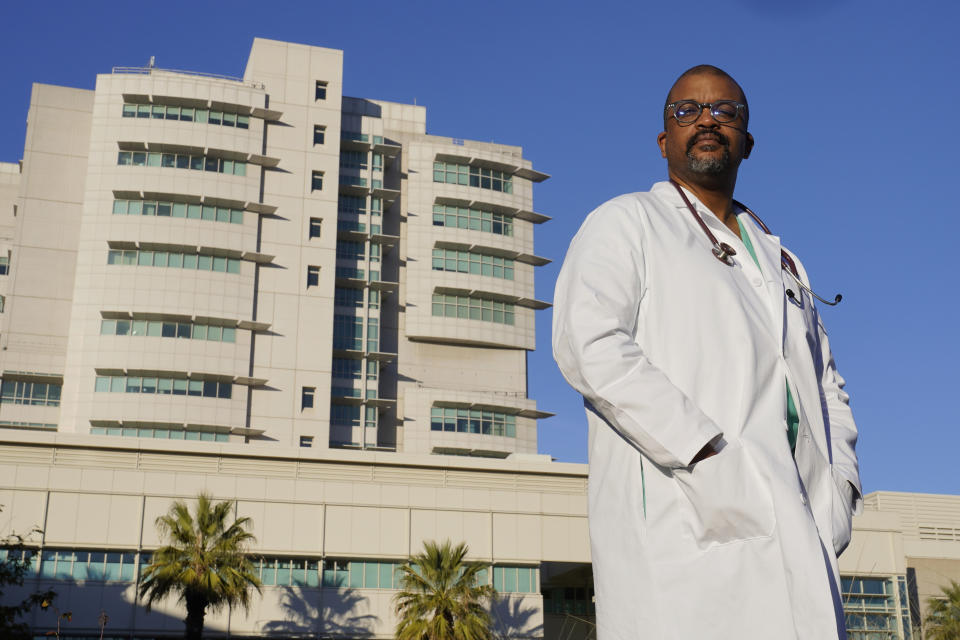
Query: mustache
720, 138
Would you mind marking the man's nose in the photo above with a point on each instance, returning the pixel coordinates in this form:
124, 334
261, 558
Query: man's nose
706, 119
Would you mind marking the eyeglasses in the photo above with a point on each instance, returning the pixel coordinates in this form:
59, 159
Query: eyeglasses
688, 111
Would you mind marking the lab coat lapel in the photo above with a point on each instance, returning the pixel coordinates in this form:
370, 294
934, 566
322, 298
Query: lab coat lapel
768, 254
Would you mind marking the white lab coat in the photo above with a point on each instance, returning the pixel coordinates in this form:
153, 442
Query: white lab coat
672, 349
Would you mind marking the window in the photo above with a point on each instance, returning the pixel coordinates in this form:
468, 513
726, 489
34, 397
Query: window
3, 303
168, 209
488, 423
316, 181
4, 265
203, 262
319, 131
345, 415
167, 329
315, 224
351, 250
182, 161
352, 204
468, 175
515, 579
343, 297
347, 332
306, 441
313, 276
473, 219
474, 263
346, 368
360, 574
321, 90
373, 334
164, 386
306, 397
187, 114
353, 159
870, 606
473, 308
31, 393
161, 431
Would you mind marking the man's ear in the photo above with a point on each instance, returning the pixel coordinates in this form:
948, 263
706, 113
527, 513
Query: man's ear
662, 143
748, 147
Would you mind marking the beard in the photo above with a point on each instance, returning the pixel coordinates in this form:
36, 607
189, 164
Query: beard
711, 165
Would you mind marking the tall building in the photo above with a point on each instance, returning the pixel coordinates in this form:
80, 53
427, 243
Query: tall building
265, 260
303, 303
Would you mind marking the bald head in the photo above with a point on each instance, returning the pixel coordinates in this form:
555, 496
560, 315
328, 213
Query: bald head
702, 69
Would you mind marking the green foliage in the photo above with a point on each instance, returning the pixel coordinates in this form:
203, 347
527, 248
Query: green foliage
440, 598
14, 568
204, 562
943, 614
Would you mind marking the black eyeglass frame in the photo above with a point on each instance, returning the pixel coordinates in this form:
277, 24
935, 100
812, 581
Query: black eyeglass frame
741, 110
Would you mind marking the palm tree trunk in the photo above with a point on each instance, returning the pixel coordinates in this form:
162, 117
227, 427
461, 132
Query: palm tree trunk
196, 610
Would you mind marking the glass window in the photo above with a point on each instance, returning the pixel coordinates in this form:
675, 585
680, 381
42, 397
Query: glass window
320, 91
306, 397
190, 261
316, 181
118, 384
236, 216
186, 114
213, 333
195, 388
179, 210
204, 263
313, 276
200, 332
319, 132
180, 387
129, 110
243, 122
315, 224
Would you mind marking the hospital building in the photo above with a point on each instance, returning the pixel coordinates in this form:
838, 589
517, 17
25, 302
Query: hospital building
303, 302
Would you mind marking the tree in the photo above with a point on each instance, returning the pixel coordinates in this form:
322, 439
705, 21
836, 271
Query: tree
440, 598
205, 562
943, 614
15, 565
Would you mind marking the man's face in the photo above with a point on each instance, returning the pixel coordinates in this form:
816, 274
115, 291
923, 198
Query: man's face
705, 149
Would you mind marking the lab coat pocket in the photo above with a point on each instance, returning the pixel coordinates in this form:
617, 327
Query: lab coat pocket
727, 499
841, 514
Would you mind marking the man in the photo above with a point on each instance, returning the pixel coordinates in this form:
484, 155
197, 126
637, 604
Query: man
723, 475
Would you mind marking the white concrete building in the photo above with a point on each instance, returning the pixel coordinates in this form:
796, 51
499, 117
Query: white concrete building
304, 303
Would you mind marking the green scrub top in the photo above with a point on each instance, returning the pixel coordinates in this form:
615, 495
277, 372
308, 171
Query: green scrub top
793, 417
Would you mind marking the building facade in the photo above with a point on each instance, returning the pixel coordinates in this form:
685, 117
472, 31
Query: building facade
302, 302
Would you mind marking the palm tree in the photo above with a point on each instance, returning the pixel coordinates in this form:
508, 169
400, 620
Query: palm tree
943, 614
204, 562
440, 598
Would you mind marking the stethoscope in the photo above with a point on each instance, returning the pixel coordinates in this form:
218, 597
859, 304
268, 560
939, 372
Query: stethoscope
722, 251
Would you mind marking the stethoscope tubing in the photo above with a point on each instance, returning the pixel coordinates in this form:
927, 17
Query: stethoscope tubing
723, 251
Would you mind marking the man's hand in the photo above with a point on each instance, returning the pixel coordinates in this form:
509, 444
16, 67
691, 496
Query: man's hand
704, 453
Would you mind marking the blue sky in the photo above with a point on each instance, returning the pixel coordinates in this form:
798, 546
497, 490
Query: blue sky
851, 104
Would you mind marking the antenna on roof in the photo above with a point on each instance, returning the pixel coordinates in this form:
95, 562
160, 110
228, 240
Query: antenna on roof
153, 62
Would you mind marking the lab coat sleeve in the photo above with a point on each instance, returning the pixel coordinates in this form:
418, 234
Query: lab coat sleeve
598, 294
843, 430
